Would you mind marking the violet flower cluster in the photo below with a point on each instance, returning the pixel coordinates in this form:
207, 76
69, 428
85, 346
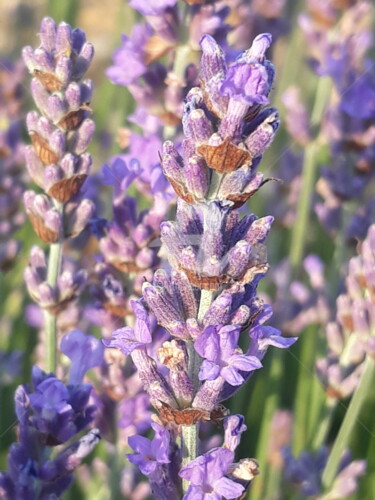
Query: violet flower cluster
155, 86
339, 47
208, 299
305, 473
11, 158
56, 160
350, 338
51, 417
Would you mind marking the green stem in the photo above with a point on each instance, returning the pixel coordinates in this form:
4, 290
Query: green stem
303, 394
271, 405
325, 423
342, 440
50, 320
300, 228
189, 433
189, 446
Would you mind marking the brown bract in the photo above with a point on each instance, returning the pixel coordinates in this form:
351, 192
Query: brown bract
45, 233
41, 147
73, 119
126, 267
190, 416
156, 47
224, 158
214, 283
169, 118
239, 199
65, 189
49, 80
181, 190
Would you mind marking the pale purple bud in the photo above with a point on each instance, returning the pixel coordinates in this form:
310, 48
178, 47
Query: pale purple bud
78, 216
82, 137
63, 70
212, 60
239, 258
261, 138
234, 426
73, 95
63, 38
83, 61
199, 126
196, 175
47, 34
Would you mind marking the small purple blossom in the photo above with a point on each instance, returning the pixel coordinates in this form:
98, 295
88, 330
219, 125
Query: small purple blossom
120, 175
129, 59
84, 351
207, 476
150, 454
234, 426
248, 79
222, 357
127, 339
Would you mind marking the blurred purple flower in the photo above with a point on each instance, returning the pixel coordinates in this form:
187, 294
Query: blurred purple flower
84, 351
129, 59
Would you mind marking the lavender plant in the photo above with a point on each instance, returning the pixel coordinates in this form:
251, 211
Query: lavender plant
58, 164
189, 319
209, 298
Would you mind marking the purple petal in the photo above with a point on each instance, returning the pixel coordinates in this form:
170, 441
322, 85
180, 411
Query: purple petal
208, 344
125, 340
231, 376
244, 363
209, 370
84, 351
228, 488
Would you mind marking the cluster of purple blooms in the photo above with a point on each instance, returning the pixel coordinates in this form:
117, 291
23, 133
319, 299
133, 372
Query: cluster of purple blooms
189, 330
217, 259
51, 416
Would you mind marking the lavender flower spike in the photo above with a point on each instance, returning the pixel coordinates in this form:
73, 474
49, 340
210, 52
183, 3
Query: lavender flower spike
218, 257
57, 160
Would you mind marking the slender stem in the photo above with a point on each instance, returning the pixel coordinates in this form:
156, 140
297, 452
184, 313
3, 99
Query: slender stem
364, 387
189, 433
271, 405
300, 228
303, 397
325, 423
50, 320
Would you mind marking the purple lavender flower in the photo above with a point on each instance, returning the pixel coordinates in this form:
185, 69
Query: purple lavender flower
306, 471
150, 454
207, 475
11, 158
84, 351
50, 415
222, 357
129, 60
234, 426
349, 337
127, 339
248, 79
